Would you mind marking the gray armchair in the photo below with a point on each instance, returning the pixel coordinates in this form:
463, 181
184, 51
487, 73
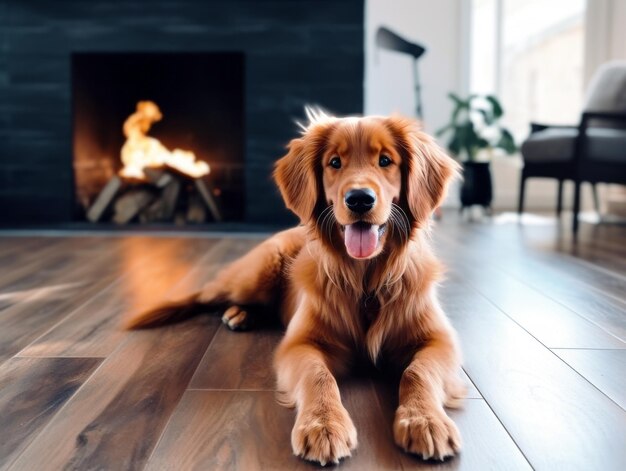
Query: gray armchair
593, 152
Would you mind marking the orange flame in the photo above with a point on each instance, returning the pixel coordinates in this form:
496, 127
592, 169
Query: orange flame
141, 151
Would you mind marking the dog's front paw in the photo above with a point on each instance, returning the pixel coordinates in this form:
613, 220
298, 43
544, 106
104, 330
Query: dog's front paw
324, 436
429, 433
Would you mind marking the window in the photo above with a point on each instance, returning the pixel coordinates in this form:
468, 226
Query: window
530, 54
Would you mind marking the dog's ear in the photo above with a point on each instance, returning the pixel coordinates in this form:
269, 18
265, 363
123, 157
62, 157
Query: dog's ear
296, 174
296, 180
429, 170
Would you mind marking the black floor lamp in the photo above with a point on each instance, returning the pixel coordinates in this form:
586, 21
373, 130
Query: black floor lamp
387, 39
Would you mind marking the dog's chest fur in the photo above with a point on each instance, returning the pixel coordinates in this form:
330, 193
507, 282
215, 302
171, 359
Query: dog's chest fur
369, 308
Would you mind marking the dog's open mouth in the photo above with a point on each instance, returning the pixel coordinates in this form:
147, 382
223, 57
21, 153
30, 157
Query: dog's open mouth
362, 238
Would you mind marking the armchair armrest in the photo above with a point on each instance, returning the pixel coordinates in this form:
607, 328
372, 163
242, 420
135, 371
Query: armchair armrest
609, 116
581, 139
536, 127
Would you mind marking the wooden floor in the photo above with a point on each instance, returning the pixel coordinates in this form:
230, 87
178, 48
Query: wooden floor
542, 323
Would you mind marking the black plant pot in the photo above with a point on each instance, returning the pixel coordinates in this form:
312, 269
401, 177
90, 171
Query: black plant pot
476, 187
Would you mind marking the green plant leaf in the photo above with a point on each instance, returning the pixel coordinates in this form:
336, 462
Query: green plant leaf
463, 136
443, 130
496, 106
488, 117
506, 142
455, 113
454, 146
455, 98
482, 143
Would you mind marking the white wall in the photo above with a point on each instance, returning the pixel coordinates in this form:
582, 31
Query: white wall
388, 75
606, 35
389, 89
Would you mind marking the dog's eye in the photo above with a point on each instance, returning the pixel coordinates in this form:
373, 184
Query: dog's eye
335, 162
384, 161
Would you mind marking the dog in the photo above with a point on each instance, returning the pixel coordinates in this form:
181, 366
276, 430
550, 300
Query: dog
356, 279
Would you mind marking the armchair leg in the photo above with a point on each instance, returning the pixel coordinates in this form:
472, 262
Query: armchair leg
520, 205
576, 207
559, 199
596, 199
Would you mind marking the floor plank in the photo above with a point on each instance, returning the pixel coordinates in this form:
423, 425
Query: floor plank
509, 242
32, 391
238, 360
579, 289
93, 328
605, 369
23, 322
116, 418
43, 263
549, 321
602, 248
472, 392
20, 280
376, 449
17, 252
555, 416
236, 430
486, 444
248, 430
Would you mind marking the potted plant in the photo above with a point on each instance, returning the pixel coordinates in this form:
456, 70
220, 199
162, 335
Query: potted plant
475, 133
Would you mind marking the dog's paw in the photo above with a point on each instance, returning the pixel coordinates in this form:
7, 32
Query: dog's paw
425, 432
236, 318
324, 437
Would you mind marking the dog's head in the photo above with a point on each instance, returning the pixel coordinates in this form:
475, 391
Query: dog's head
367, 181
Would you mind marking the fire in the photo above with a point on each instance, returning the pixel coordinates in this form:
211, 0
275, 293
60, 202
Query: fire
141, 151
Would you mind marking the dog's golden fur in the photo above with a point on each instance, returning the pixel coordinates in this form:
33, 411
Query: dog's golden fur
337, 307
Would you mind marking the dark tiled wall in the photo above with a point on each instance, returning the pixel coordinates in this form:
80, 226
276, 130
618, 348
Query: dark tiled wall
296, 52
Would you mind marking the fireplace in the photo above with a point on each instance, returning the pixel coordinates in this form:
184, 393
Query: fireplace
190, 105
284, 55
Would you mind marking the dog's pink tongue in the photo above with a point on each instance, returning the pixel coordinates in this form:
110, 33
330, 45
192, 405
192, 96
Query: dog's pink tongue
361, 239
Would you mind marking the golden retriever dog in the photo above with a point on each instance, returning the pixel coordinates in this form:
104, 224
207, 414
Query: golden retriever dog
357, 279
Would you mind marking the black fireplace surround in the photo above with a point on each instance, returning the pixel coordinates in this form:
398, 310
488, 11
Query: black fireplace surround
294, 52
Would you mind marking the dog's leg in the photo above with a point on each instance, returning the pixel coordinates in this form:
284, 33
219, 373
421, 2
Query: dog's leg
323, 431
253, 279
421, 425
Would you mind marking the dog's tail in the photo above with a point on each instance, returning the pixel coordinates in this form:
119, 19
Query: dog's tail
168, 313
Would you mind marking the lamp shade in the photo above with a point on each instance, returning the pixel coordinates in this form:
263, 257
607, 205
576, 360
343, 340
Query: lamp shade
387, 39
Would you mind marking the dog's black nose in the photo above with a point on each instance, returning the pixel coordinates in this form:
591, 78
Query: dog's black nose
360, 200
